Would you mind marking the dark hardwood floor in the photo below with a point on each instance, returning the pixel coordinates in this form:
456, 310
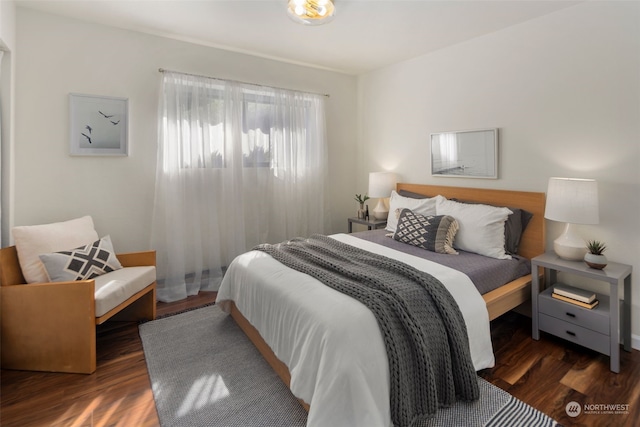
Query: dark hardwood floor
546, 374
550, 373
117, 394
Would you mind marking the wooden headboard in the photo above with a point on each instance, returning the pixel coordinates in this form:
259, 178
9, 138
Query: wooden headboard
533, 239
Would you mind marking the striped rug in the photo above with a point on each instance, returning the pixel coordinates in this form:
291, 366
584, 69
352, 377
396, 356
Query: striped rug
205, 372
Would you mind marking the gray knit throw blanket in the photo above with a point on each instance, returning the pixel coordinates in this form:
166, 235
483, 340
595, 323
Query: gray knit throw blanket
423, 329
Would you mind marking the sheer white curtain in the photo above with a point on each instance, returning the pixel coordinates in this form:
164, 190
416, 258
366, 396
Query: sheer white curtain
238, 165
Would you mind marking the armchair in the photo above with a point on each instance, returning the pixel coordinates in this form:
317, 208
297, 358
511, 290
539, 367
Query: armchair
52, 326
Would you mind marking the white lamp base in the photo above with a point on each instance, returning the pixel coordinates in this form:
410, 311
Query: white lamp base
569, 246
380, 211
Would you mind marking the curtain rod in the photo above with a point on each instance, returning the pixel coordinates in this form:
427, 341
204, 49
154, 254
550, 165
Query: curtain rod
162, 70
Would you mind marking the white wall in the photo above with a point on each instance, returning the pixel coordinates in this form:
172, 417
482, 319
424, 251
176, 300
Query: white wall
7, 97
58, 56
7, 24
563, 89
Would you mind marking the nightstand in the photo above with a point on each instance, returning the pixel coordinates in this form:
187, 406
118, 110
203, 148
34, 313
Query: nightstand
598, 328
372, 224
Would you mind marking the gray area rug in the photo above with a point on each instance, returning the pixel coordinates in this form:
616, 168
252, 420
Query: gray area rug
205, 372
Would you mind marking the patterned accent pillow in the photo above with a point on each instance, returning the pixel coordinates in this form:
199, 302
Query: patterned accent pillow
83, 263
434, 233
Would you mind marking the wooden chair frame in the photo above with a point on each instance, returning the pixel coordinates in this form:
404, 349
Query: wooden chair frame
52, 326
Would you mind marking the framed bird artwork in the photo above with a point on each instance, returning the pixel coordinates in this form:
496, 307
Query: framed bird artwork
99, 125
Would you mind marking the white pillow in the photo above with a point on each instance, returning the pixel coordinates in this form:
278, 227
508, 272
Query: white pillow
34, 240
397, 203
481, 227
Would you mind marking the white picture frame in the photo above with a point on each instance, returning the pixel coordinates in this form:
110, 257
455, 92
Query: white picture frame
99, 125
465, 154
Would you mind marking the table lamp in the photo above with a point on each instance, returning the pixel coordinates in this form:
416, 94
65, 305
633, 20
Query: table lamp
380, 186
574, 201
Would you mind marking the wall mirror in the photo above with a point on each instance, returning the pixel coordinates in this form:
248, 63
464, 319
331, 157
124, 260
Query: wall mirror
465, 154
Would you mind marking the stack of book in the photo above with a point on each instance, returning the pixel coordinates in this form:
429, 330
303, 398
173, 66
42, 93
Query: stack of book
580, 297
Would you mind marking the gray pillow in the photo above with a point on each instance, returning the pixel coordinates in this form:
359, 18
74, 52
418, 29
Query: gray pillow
514, 226
434, 233
83, 263
411, 194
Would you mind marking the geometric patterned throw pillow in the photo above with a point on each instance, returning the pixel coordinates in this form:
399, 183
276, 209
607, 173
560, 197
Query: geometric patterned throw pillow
82, 263
434, 232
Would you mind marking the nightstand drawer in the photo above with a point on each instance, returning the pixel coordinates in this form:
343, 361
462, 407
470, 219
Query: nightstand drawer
570, 332
596, 319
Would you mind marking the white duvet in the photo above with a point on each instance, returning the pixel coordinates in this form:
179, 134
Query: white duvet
330, 342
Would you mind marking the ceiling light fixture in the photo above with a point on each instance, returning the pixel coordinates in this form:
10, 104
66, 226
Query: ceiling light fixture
311, 12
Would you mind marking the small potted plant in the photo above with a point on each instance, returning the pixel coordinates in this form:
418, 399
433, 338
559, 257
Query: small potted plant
594, 257
361, 198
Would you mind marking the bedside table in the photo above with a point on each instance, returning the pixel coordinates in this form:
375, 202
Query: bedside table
372, 224
595, 328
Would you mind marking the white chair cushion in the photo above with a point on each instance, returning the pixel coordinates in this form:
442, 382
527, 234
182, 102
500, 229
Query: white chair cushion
117, 286
35, 240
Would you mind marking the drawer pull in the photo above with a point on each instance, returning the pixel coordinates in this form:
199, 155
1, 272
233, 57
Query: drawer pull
570, 314
573, 334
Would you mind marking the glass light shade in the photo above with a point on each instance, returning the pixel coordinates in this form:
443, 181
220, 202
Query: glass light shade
574, 201
311, 12
380, 186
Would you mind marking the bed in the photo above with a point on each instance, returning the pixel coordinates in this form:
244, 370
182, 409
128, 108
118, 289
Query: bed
303, 333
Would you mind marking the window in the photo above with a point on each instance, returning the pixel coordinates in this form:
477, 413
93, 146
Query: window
238, 165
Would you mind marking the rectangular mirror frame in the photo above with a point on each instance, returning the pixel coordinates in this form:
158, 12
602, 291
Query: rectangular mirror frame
475, 156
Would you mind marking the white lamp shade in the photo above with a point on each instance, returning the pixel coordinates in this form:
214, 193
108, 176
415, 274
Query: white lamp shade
572, 200
381, 184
